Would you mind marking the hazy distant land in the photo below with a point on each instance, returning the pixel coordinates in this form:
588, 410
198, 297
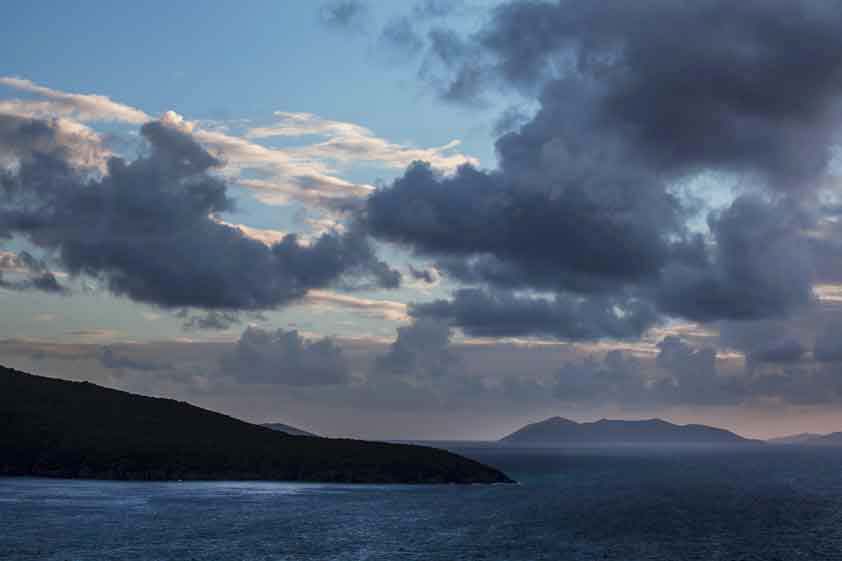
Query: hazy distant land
809, 439
282, 427
559, 431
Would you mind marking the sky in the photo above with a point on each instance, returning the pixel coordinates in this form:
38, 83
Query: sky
431, 219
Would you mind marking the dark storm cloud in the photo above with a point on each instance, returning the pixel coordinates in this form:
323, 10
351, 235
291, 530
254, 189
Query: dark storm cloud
705, 83
828, 346
350, 15
211, 320
570, 238
422, 349
771, 343
760, 266
146, 228
635, 99
284, 357
784, 351
751, 87
486, 313
429, 275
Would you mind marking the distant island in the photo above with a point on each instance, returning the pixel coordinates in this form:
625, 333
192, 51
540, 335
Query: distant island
809, 439
559, 431
58, 428
287, 429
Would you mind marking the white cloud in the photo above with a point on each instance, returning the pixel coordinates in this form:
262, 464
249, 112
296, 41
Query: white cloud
828, 293
264, 235
277, 176
94, 336
286, 176
347, 143
385, 309
82, 107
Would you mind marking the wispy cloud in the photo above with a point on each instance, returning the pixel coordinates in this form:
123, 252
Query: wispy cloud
264, 235
82, 107
828, 293
93, 335
385, 309
347, 143
306, 174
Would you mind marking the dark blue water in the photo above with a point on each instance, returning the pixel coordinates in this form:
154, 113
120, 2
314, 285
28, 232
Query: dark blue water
767, 505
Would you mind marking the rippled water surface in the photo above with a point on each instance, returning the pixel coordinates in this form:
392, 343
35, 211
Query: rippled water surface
765, 505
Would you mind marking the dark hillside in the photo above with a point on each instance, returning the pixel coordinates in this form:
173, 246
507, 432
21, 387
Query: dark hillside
57, 428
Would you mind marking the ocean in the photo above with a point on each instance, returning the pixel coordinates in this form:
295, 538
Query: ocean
760, 503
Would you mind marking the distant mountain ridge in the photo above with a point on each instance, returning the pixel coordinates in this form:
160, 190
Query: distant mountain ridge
288, 429
809, 439
561, 431
801, 438
58, 428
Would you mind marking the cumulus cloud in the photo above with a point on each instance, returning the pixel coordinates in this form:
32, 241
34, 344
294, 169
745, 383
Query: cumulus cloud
753, 62
304, 173
613, 379
693, 375
284, 357
771, 342
145, 227
78, 144
681, 375
588, 201
500, 314
526, 237
760, 266
783, 351
421, 349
